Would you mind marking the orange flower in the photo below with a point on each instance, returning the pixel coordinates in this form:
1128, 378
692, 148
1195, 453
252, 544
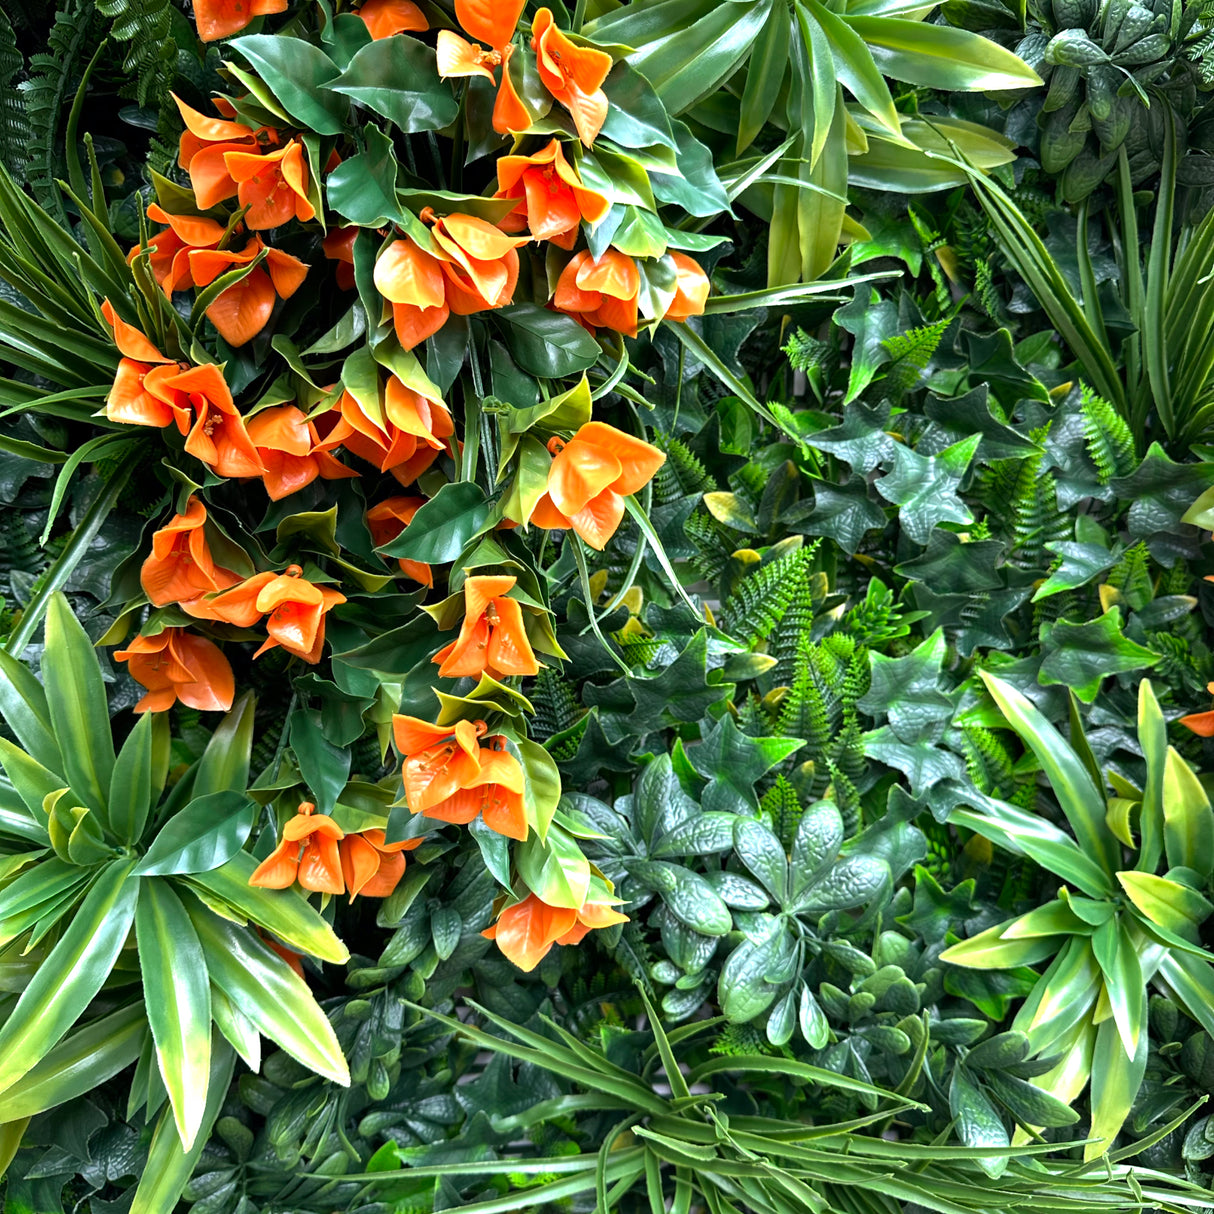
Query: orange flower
202, 148
527, 930
138, 396
218, 437
602, 292
1201, 723
492, 22
177, 665
553, 200
243, 310
573, 74
590, 477
222, 18
297, 611
307, 854
412, 281
439, 760
692, 289
181, 567
387, 17
495, 792
236, 605
492, 639
286, 443
387, 520
338, 246
479, 261
405, 440
274, 186
168, 251
370, 866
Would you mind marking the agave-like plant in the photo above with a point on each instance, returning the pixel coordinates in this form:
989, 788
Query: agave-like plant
1116, 925
110, 879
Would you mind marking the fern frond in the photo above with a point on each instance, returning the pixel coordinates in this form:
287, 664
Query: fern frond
145, 26
1109, 441
556, 705
911, 352
779, 804
760, 600
1132, 576
14, 127
804, 353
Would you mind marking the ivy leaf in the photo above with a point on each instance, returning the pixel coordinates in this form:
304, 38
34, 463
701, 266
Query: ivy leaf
860, 440
1082, 656
1080, 563
934, 909
1161, 492
871, 320
907, 691
922, 765
993, 361
733, 761
957, 417
925, 487
843, 513
962, 566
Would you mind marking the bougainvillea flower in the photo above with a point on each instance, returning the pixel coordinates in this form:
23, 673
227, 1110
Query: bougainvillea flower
492, 639
218, 437
297, 611
338, 246
691, 291
370, 866
479, 261
177, 665
273, 185
1201, 723
387, 520
459, 57
286, 443
573, 74
590, 477
307, 854
552, 198
439, 760
222, 18
412, 281
243, 310
168, 251
600, 293
181, 566
202, 148
494, 23
236, 605
384, 18
132, 399
489, 21
495, 793
407, 440
526, 931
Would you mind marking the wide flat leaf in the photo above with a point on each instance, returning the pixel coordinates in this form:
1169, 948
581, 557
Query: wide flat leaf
925, 487
443, 526
397, 77
178, 995
1082, 656
23, 705
325, 768
1167, 904
205, 833
224, 765
1123, 982
362, 188
1077, 565
297, 73
1188, 823
71, 974
1153, 738
994, 949
1062, 997
907, 691
978, 1121
78, 709
1116, 1077
733, 762
265, 988
842, 512
555, 870
546, 343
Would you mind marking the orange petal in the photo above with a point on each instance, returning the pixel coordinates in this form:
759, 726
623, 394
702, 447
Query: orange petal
130, 342
600, 914
692, 290
387, 17
481, 589
130, 402
244, 309
526, 931
407, 274
412, 734
597, 521
279, 869
588, 111
509, 112
213, 686
212, 130
490, 21
359, 863
413, 325
320, 866
547, 516
638, 459
287, 273
459, 57
1201, 723
614, 274
209, 176
479, 239
509, 651
196, 231
283, 428
581, 471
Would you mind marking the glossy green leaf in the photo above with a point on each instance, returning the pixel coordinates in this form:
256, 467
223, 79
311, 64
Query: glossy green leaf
178, 997
1169, 904
32, 782
206, 833
555, 870
940, 56
993, 949
855, 66
1078, 797
1082, 656
1188, 822
80, 1062
1064, 996
297, 73
398, 78
765, 71
224, 766
284, 912
442, 528
131, 784
546, 343
362, 189
1153, 738
1123, 983
978, 1121
78, 709
1116, 1077
71, 974
23, 705
265, 988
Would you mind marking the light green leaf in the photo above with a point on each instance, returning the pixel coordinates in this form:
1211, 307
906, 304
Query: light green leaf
131, 784
1188, 822
1116, 1077
1123, 983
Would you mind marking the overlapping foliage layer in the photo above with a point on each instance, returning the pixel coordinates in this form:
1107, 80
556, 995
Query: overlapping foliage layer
625, 585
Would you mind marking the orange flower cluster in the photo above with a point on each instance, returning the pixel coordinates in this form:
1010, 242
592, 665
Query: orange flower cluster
472, 267
553, 200
492, 639
317, 853
527, 930
177, 665
589, 478
450, 776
